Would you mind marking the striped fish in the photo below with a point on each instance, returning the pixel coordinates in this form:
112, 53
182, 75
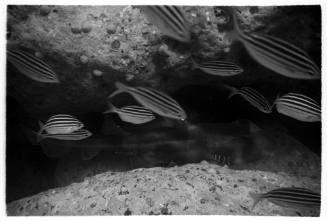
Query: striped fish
169, 19
31, 66
220, 159
132, 114
75, 135
153, 100
220, 68
60, 124
299, 107
276, 54
254, 97
290, 197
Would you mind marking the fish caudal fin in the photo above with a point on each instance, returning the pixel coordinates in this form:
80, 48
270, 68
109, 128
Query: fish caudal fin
232, 91
41, 128
256, 198
194, 64
30, 135
275, 101
39, 137
111, 109
120, 89
235, 31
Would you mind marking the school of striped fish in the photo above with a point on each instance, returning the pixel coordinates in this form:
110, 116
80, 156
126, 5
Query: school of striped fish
277, 55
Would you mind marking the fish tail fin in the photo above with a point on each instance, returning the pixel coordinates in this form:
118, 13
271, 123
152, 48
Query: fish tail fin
236, 31
120, 88
256, 198
30, 134
194, 64
41, 125
111, 108
275, 101
39, 137
232, 91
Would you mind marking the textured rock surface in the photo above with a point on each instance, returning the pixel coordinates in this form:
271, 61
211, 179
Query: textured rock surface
197, 189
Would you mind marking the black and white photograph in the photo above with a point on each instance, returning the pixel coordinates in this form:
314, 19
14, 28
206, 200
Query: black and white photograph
163, 109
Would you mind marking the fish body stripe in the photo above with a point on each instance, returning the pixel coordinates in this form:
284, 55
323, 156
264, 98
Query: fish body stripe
172, 15
277, 57
62, 122
295, 190
300, 103
294, 195
255, 98
135, 114
292, 105
170, 20
158, 99
31, 66
294, 200
305, 195
290, 195
227, 67
30, 61
136, 111
161, 101
76, 135
277, 54
287, 49
218, 67
301, 100
298, 114
274, 46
